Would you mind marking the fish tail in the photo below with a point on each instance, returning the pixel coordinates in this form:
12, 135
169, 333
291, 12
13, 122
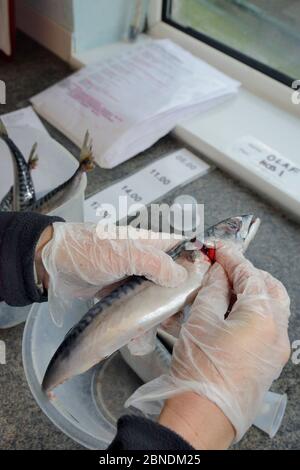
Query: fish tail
33, 157
86, 160
3, 130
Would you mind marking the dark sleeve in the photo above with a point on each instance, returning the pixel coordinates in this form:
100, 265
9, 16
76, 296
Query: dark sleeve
19, 234
136, 433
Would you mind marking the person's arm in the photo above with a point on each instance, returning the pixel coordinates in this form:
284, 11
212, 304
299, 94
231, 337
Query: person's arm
75, 259
22, 235
187, 422
138, 433
198, 420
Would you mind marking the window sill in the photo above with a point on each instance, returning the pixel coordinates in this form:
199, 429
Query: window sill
214, 133
262, 109
275, 122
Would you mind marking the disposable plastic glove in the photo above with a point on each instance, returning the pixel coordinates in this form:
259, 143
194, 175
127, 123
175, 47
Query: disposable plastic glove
82, 259
231, 361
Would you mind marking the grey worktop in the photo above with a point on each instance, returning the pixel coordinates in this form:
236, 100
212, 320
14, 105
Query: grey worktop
276, 249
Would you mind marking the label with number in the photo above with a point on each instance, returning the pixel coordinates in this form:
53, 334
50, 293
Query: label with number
146, 185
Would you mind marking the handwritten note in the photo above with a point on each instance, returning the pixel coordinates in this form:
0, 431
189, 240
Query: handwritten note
145, 186
267, 161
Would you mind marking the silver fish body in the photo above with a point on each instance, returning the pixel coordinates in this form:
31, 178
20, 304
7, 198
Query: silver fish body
58, 195
23, 189
22, 196
136, 307
6, 203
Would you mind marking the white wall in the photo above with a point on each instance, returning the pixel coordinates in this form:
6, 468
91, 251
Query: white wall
62, 25
98, 22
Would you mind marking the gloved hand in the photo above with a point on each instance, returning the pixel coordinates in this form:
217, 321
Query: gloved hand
82, 258
231, 361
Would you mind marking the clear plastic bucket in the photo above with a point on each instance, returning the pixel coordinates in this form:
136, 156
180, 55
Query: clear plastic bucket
71, 211
86, 407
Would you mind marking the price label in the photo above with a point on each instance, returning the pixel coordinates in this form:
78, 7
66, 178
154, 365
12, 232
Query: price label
145, 186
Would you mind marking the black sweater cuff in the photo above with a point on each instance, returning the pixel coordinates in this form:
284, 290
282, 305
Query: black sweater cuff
19, 234
137, 433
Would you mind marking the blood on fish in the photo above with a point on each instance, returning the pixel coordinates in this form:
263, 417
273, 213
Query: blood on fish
207, 250
210, 253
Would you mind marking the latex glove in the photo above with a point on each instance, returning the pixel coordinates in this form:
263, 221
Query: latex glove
232, 361
81, 259
144, 344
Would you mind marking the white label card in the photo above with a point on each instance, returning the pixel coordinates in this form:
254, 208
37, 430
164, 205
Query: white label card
277, 168
145, 186
25, 117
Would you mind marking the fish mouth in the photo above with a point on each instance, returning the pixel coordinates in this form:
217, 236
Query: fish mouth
239, 229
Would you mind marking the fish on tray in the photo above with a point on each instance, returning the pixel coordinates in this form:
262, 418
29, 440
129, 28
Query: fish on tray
22, 194
139, 305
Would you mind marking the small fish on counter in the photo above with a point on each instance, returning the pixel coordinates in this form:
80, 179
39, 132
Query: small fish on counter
21, 196
6, 203
139, 305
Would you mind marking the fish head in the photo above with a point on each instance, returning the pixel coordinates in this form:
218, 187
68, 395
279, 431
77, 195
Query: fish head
239, 230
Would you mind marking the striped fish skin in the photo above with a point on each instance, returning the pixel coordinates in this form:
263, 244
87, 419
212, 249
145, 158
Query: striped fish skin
22, 196
23, 189
58, 195
64, 191
135, 307
6, 203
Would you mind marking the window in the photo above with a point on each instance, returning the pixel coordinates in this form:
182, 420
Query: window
264, 34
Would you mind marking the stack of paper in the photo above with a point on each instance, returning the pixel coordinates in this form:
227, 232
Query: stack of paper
130, 101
